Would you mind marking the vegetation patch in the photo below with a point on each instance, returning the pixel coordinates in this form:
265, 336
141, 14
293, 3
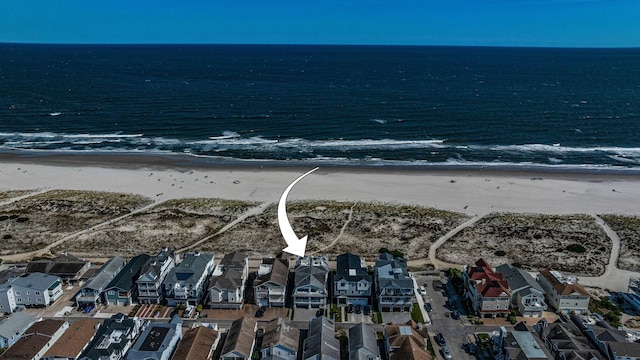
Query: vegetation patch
569, 243
628, 229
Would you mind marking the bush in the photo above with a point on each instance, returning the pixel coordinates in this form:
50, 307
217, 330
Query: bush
500, 253
576, 248
517, 264
7, 236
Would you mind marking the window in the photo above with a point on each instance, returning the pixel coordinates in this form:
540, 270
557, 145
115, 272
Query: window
37, 292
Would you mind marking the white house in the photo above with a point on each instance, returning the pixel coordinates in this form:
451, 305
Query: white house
352, 282
226, 290
526, 294
29, 290
270, 286
310, 284
563, 292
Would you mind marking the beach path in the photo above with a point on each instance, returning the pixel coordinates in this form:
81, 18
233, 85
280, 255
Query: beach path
434, 247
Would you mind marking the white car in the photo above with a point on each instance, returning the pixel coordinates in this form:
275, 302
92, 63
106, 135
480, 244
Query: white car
423, 291
445, 352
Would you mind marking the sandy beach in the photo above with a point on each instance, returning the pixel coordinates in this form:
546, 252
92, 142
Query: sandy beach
470, 191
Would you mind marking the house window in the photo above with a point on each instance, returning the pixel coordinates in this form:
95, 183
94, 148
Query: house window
37, 292
18, 293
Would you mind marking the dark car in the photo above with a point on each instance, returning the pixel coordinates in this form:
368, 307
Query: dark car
455, 314
367, 310
320, 312
427, 306
358, 309
440, 339
260, 312
350, 308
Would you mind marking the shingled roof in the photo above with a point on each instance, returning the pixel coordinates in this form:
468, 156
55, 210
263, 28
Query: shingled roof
240, 337
278, 274
196, 343
563, 287
73, 340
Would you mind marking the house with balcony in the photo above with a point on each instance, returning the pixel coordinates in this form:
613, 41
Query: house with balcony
226, 290
363, 344
152, 273
526, 294
352, 282
186, 283
563, 292
13, 326
394, 287
114, 338
406, 341
487, 290
121, 289
90, 293
310, 282
565, 341
158, 341
270, 286
29, 290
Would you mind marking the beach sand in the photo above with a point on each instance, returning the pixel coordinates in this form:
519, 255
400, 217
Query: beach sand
470, 191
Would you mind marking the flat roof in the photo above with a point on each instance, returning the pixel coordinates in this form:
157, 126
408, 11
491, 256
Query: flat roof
528, 344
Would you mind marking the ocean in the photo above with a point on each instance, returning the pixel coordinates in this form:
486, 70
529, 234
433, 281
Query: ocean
337, 105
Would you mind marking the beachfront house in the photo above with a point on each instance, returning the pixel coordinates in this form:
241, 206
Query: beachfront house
90, 292
565, 341
29, 290
394, 287
158, 341
186, 283
279, 341
68, 267
270, 286
321, 342
37, 340
153, 272
526, 294
310, 282
487, 290
240, 340
114, 338
352, 282
563, 292
121, 289
227, 283
12, 327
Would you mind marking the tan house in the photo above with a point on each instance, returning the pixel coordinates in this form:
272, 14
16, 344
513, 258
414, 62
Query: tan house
197, 344
563, 292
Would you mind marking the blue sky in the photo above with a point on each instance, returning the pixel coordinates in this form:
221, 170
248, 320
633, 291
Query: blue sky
566, 23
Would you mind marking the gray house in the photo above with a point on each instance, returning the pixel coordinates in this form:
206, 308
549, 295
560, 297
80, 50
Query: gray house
310, 284
12, 328
352, 282
114, 338
363, 344
240, 340
186, 283
91, 291
270, 286
394, 287
280, 340
153, 272
526, 294
227, 283
29, 290
121, 290
321, 343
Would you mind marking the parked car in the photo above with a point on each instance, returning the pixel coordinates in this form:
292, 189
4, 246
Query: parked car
358, 309
427, 307
367, 310
445, 352
440, 339
260, 312
320, 312
350, 308
455, 314
423, 291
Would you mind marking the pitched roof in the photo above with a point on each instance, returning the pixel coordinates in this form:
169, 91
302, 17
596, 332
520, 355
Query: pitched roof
278, 332
33, 340
107, 272
392, 272
192, 264
236, 259
111, 337
322, 341
362, 342
518, 278
488, 283
229, 280
562, 287
626, 349
195, 343
352, 268
278, 274
153, 266
74, 339
240, 337
125, 279
16, 323
312, 272
407, 342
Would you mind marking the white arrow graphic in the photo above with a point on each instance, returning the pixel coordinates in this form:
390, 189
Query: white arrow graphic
295, 246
